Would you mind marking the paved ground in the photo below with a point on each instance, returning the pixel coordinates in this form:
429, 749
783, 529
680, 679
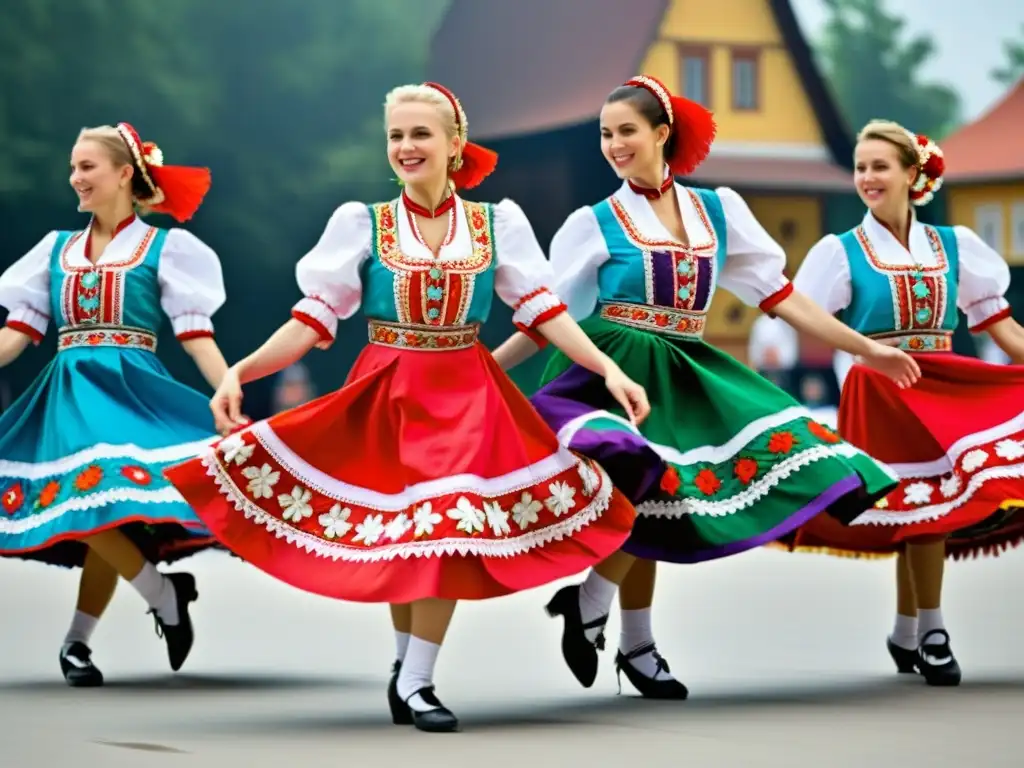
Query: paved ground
784, 656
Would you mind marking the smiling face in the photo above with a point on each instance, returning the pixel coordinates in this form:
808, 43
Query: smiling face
96, 179
630, 144
882, 181
419, 147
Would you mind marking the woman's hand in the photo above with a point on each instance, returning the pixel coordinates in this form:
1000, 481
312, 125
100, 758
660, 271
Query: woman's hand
631, 396
226, 404
894, 363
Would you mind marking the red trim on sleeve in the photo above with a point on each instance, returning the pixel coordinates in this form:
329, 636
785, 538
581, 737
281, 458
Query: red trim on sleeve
984, 325
548, 314
27, 329
531, 295
533, 335
312, 322
776, 298
189, 335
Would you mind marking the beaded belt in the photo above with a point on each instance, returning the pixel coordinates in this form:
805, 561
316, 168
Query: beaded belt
917, 341
106, 336
425, 337
664, 320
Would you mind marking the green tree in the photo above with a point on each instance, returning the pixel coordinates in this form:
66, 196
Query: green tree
1013, 68
876, 71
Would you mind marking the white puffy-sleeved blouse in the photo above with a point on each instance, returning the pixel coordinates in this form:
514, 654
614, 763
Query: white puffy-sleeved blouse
189, 274
754, 267
331, 275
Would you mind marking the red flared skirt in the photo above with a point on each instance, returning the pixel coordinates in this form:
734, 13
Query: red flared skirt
956, 440
428, 474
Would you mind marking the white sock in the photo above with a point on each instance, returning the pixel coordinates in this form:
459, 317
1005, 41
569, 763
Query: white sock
401, 644
417, 672
904, 632
158, 591
596, 595
82, 626
927, 620
636, 632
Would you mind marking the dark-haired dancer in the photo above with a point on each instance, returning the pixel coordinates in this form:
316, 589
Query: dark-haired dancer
727, 461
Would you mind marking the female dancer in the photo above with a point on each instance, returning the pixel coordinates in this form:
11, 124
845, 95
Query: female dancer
727, 461
427, 478
82, 449
955, 439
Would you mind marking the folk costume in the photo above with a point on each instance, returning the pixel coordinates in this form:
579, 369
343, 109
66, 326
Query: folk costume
726, 461
956, 438
457, 489
82, 450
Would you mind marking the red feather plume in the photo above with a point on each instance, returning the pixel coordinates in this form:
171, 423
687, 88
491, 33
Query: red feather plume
184, 188
694, 129
477, 164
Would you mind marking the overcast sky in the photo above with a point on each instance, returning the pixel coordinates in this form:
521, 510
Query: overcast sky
968, 34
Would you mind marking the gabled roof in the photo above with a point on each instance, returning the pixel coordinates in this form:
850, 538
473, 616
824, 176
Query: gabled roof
992, 147
530, 66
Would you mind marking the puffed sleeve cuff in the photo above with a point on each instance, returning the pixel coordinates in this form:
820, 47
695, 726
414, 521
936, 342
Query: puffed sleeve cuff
534, 309
192, 325
983, 314
318, 315
28, 321
768, 304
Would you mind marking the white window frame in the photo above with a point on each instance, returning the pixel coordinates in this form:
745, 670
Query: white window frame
990, 216
1017, 228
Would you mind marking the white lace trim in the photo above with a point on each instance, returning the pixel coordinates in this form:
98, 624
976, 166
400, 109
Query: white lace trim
936, 511
25, 470
753, 493
533, 308
944, 465
508, 547
165, 495
704, 454
324, 484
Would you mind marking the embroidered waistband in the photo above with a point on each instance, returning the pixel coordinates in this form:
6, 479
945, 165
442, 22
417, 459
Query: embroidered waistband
663, 320
425, 337
917, 341
106, 336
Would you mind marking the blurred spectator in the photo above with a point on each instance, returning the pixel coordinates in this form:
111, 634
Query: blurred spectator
292, 388
773, 351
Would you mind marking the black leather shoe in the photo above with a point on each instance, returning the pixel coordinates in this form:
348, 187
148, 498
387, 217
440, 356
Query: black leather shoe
400, 713
905, 660
76, 664
936, 660
437, 720
579, 653
649, 687
180, 637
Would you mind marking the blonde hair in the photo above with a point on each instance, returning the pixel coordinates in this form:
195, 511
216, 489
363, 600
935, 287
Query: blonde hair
895, 134
424, 94
109, 138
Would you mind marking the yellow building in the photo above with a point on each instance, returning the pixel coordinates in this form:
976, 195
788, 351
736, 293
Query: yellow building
984, 180
533, 75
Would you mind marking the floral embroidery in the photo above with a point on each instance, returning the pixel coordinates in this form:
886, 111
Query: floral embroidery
138, 475
745, 469
589, 478
418, 337
235, 450
335, 522
261, 481
707, 482
370, 530
822, 432
13, 498
1009, 450
917, 493
48, 494
497, 518
425, 518
974, 460
524, 511
89, 478
398, 527
665, 320
670, 481
781, 442
562, 498
296, 504
470, 519
950, 486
